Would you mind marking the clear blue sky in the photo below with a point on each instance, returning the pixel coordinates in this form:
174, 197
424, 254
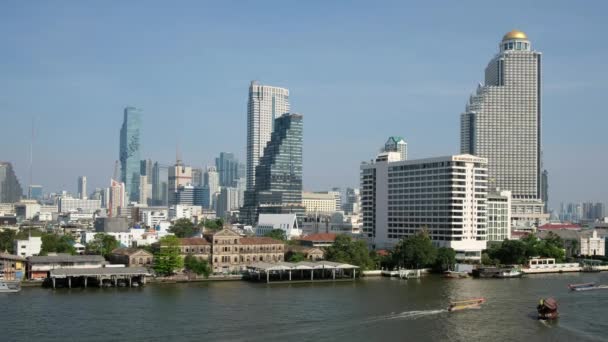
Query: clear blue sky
358, 71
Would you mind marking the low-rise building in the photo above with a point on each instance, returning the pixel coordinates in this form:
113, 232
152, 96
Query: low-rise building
198, 247
318, 240
39, 266
232, 252
593, 245
131, 257
288, 223
12, 267
310, 253
29, 247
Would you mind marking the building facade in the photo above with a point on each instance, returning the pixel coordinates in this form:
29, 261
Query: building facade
179, 175
396, 144
82, 187
265, 104
445, 196
230, 170
130, 147
322, 203
499, 215
69, 204
593, 245
10, 188
502, 122
278, 185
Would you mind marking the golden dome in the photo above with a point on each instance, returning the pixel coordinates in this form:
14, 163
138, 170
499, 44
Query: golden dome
515, 34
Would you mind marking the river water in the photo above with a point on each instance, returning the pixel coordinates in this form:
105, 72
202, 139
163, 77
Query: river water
372, 309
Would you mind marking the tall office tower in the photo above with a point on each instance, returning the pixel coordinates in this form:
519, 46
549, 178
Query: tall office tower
265, 104
179, 175
145, 169
130, 146
352, 204
212, 182
396, 144
143, 190
502, 122
10, 189
197, 176
228, 200
117, 197
278, 185
189, 195
34, 192
445, 195
229, 169
544, 193
82, 187
160, 184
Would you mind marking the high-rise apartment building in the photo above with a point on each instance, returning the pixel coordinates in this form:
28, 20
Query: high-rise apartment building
499, 215
227, 201
265, 104
197, 176
502, 122
212, 183
117, 197
10, 189
396, 144
230, 170
179, 175
130, 146
445, 196
82, 187
278, 185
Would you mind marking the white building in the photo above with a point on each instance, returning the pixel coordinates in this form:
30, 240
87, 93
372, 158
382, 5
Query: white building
319, 202
27, 209
593, 245
82, 187
125, 239
179, 211
445, 195
152, 218
69, 204
396, 144
502, 122
285, 222
29, 247
116, 198
499, 215
264, 105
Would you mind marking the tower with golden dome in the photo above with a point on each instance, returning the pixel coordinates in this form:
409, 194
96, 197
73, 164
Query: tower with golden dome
502, 122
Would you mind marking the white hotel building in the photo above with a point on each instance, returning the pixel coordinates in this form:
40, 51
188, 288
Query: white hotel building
445, 195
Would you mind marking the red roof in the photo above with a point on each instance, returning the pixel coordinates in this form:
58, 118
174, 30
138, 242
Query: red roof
320, 237
260, 241
551, 226
193, 241
382, 252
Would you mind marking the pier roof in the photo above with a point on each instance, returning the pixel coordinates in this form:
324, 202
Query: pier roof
101, 271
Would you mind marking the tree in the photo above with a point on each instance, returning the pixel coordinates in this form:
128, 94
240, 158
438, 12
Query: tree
346, 250
510, 252
277, 234
53, 243
167, 258
445, 260
7, 238
415, 251
102, 244
183, 228
216, 224
196, 265
295, 256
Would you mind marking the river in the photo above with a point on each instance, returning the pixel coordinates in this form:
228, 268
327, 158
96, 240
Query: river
372, 309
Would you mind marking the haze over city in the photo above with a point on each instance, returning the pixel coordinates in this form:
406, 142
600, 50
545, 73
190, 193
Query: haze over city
358, 73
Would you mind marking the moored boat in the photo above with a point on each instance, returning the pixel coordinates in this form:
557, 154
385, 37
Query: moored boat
587, 287
511, 273
455, 275
474, 303
547, 309
9, 286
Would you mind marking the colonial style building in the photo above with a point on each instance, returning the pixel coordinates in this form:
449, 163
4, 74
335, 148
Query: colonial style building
198, 247
131, 257
232, 252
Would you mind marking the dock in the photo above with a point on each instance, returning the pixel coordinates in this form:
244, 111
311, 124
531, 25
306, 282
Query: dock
107, 275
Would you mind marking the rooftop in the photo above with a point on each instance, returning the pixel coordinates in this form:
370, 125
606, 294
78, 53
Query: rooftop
193, 241
260, 241
66, 258
128, 251
515, 34
7, 256
91, 272
320, 237
549, 226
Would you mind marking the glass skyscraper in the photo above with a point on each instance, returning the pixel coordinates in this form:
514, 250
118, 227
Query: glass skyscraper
278, 184
229, 169
130, 146
10, 189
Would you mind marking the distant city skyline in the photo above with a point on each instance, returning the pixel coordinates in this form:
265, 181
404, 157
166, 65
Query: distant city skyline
357, 78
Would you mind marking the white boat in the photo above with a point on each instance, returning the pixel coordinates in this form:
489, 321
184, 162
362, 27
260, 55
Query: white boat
9, 286
587, 287
512, 273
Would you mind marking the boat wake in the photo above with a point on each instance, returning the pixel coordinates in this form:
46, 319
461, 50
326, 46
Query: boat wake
406, 315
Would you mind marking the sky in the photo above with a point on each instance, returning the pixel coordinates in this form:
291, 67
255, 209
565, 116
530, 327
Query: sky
359, 72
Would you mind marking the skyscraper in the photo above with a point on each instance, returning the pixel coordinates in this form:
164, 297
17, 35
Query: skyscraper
130, 145
197, 176
160, 184
212, 182
82, 187
10, 189
265, 104
502, 122
179, 175
34, 192
278, 185
229, 169
396, 144
116, 197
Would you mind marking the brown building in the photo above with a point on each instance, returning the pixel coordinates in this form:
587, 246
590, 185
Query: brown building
318, 240
198, 247
310, 253
131, 257
232, 252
